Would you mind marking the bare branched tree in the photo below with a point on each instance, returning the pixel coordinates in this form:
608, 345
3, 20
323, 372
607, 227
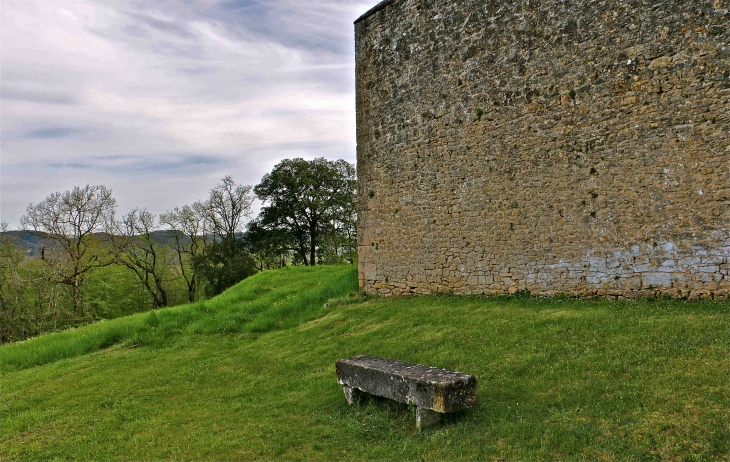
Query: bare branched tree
74, 219
188, 225
228, 205
148, 259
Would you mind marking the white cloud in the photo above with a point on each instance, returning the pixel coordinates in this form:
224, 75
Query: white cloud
159, 100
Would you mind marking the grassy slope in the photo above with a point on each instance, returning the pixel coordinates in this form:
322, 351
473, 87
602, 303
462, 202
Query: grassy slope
557, 379
268, 301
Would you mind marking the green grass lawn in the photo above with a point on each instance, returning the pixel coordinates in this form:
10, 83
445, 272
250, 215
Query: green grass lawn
250, 375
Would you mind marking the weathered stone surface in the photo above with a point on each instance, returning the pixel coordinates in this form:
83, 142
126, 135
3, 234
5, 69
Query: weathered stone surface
439, 390
552, 145
426, 417
352, 395
664, 61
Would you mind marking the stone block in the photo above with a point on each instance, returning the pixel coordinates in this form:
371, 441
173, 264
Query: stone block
656, 279
426, 418
428, 388
700, 295
352, 395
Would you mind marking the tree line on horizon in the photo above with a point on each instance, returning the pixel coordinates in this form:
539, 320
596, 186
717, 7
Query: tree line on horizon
95, 264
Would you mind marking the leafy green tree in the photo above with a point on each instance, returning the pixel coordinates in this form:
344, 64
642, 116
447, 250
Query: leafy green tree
225, 260
223, 264
339, 244
11, 299
29, 304
116, 291
306, 200
269, 248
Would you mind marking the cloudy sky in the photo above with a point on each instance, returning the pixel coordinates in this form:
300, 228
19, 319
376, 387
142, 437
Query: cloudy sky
159, 100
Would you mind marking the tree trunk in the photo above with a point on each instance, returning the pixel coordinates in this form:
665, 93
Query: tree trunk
191, 291
76, 287
161, 296
302, 251
312, 242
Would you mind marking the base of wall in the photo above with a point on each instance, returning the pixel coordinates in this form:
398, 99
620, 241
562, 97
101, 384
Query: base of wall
389, 290
656, 269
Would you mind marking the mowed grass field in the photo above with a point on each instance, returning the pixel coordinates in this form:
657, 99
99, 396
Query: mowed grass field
250, 375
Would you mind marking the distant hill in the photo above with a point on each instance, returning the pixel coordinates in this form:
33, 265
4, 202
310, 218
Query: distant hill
168, 237
33, 241
30, 241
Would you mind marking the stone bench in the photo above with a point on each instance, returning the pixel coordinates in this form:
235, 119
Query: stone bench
433, 391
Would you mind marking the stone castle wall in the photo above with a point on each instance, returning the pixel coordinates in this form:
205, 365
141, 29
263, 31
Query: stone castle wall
549, 145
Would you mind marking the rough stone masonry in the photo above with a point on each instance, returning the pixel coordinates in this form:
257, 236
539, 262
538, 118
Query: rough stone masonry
559, 146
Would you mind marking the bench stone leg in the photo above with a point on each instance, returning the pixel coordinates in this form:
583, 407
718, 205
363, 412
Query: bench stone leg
426, 417
352, 394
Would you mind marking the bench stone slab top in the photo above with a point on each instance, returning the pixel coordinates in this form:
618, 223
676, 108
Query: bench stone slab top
431, 388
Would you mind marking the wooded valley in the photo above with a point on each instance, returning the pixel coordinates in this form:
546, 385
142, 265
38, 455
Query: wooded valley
76, 260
